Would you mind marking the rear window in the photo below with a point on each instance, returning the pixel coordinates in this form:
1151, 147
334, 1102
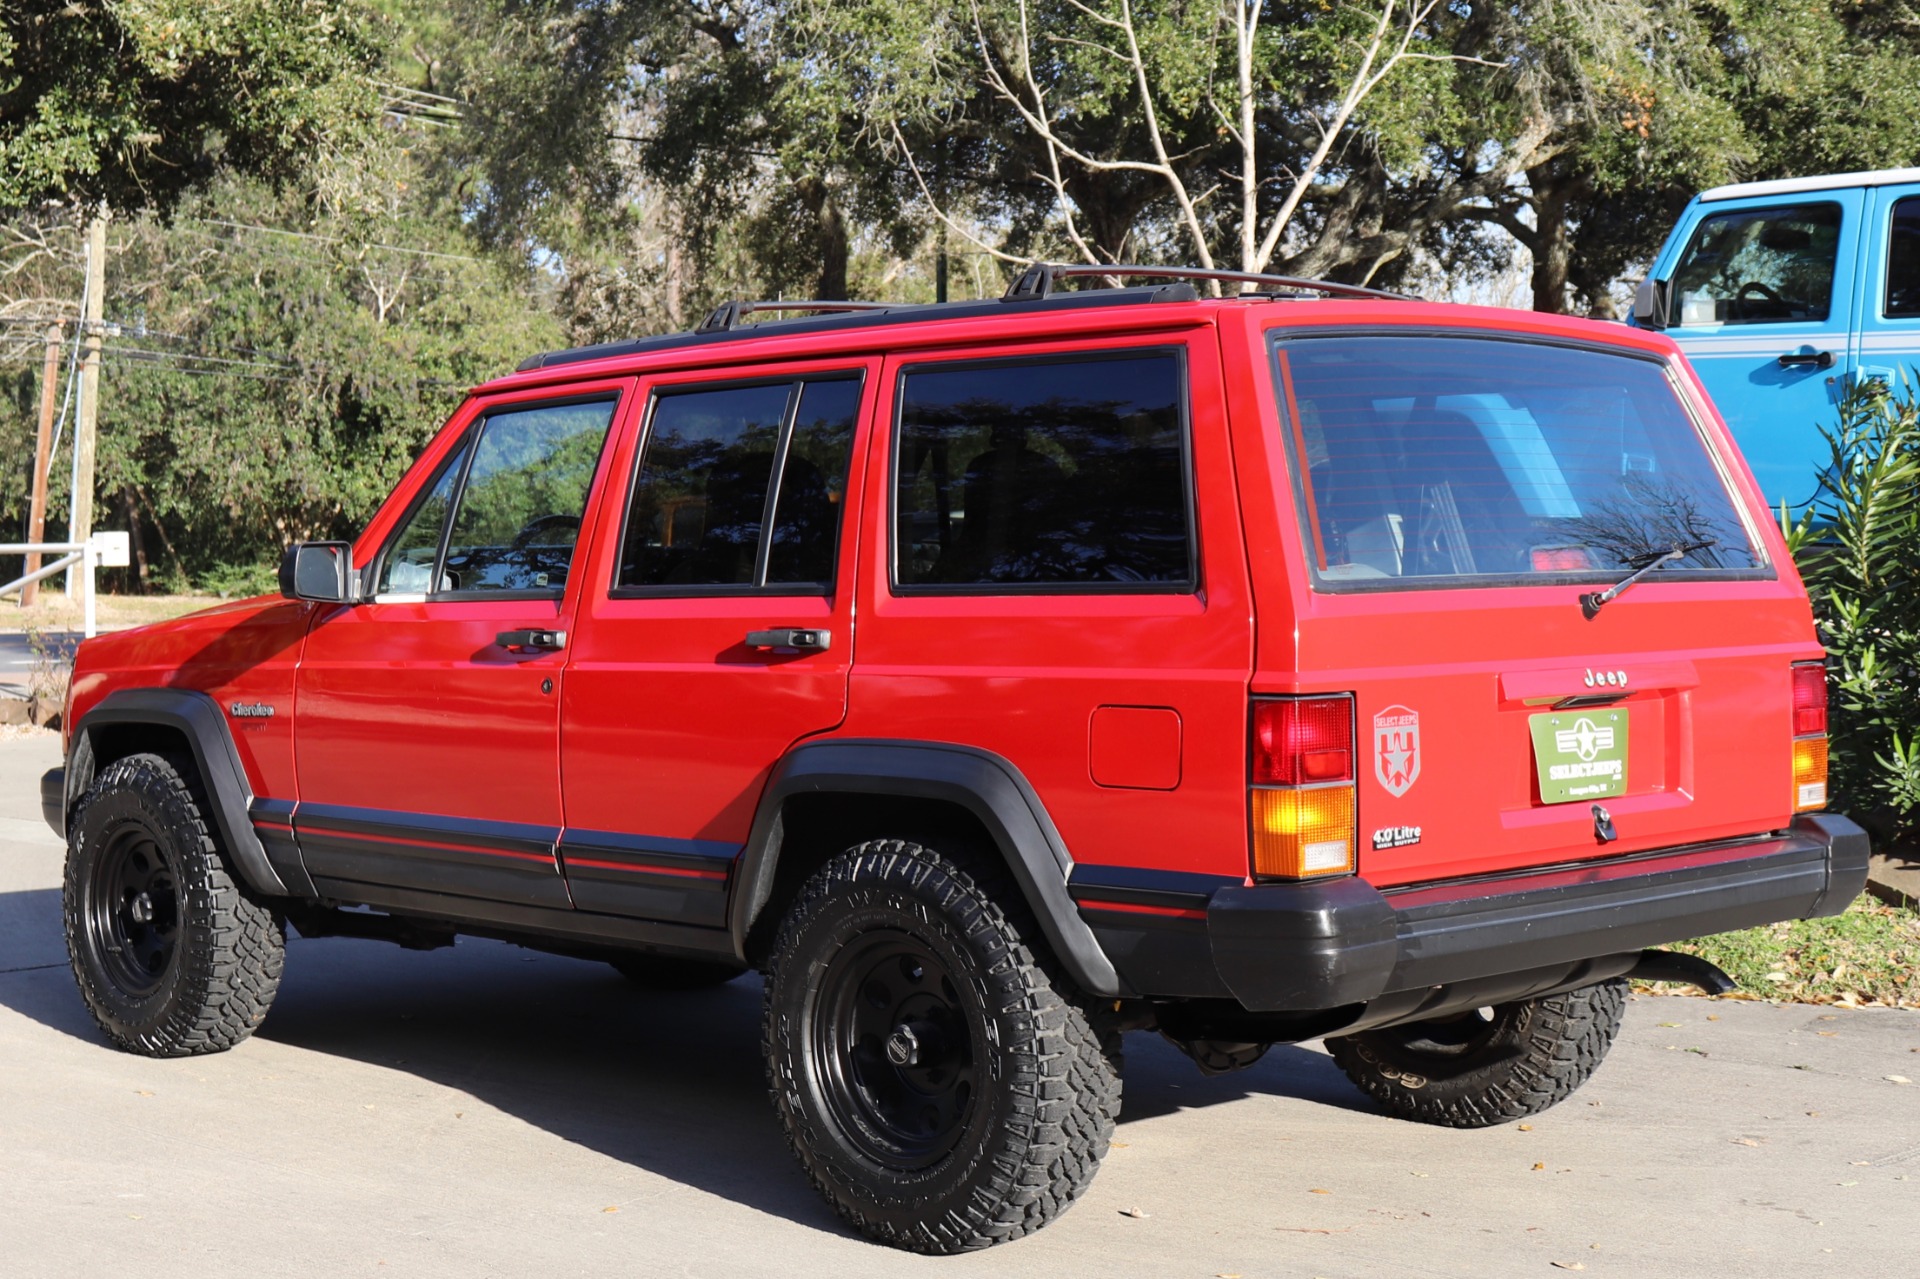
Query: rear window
1440, 461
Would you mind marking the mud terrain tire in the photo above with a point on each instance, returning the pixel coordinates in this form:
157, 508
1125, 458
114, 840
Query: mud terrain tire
943, 1086
1486, 1067
173, 957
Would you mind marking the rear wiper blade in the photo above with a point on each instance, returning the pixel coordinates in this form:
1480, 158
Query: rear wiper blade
1592, 601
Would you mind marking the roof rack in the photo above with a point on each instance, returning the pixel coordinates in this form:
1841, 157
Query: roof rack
728, 315
1038, 280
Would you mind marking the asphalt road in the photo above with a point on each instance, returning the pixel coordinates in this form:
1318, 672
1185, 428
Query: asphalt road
17, 658
486, 1111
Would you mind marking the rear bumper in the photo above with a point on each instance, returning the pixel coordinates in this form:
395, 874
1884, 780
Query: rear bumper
53, 799
1343, 943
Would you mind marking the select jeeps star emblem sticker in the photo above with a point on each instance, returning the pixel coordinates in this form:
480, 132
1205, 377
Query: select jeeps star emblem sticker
1396, 748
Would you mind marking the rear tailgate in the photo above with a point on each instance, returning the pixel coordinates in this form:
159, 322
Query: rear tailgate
1449, 500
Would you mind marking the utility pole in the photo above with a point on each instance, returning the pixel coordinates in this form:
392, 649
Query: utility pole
37, 512
80, 526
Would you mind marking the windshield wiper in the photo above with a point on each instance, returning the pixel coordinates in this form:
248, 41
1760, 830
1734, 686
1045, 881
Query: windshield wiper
1592, 601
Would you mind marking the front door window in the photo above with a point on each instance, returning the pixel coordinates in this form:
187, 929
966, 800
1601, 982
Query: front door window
517, 497
1759, 266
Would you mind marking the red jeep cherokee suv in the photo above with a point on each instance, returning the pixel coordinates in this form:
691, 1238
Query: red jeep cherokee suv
996, 677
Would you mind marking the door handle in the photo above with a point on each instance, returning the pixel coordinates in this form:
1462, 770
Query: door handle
531, 640
805, 640
1807, 360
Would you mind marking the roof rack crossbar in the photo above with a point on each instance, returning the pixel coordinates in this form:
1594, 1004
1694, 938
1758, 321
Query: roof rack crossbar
729, 315
1038, 280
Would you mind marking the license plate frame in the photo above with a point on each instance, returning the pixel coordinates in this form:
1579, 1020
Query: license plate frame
1580, 756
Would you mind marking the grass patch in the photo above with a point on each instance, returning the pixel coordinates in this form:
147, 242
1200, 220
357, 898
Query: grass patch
1865, 956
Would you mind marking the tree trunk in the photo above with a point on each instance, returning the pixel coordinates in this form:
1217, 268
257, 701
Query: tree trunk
1552, 249
830, 237
138, 542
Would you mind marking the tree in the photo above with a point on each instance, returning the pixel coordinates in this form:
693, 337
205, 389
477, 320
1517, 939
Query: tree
128, 104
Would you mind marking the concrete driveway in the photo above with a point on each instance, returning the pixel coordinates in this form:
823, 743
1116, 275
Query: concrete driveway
487, 1111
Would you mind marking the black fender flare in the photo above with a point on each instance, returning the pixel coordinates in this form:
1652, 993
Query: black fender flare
196, 716
985, 784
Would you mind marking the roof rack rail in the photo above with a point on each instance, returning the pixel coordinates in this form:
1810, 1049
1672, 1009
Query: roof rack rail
728, 315
1038, 280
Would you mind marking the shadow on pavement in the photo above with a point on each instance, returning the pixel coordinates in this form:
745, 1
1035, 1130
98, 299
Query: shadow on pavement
671, 1083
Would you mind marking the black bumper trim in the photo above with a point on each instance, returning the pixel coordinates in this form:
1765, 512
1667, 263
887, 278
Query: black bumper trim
53, 799
1300, 947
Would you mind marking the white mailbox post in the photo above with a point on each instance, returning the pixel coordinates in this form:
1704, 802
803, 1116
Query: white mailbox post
104, 550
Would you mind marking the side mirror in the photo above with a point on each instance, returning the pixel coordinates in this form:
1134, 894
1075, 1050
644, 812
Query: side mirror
1651, 302
321, 571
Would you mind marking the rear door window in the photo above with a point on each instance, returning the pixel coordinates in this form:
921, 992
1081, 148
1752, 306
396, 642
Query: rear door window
1441, 461
1060, 474
741, 488
1759, 266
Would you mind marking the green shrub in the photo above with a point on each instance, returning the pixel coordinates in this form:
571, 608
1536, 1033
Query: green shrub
1858, 547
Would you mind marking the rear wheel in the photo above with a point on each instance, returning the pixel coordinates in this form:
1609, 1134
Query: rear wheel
943, 1089
1486, 1066
173, 958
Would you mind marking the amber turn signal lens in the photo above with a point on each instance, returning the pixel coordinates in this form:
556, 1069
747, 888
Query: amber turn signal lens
1809, 773
1299, 834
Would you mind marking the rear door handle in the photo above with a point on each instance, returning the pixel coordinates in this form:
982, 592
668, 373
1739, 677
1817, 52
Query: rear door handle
805, 640
531, 640
1807, 359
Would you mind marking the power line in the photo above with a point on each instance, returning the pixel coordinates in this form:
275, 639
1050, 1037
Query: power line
334, 239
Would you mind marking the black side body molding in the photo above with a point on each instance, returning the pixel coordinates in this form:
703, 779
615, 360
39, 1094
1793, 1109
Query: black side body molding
982, 782
197, 717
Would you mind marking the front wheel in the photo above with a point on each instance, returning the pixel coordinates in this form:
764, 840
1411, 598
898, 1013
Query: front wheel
173, 958
941, 1087
1486, 1066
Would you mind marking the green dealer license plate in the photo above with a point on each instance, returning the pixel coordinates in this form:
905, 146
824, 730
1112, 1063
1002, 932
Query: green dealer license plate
1581, 755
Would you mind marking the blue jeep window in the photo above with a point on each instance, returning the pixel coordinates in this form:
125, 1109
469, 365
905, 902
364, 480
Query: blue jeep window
1759, 266
1903, 261
1463, 461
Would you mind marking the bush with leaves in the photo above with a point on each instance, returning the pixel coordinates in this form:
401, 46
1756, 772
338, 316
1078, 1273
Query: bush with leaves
1858, 547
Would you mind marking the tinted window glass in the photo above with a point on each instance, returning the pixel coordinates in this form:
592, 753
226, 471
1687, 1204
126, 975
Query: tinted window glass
1447, 458
1759, 266
408, 566
1903, 261
702, 493
524, 495
1048, 474
813, 485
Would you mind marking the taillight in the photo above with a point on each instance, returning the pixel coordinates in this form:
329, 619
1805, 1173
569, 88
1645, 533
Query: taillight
1301, 794
1809, 699
1809, 736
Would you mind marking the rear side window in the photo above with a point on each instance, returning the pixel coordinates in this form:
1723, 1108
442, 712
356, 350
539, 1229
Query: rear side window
1047, 475
1437, 461
741, 487
1903, 261
1759, 266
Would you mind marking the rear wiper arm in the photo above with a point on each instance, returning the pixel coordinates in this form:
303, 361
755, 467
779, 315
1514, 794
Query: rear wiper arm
1592, 601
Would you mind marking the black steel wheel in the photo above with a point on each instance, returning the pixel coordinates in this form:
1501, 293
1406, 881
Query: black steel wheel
941, 1084
893, 1050
1486, 1066
132, 912
172, 957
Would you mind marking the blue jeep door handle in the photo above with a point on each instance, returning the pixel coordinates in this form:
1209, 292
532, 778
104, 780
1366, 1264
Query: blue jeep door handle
1807, 359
